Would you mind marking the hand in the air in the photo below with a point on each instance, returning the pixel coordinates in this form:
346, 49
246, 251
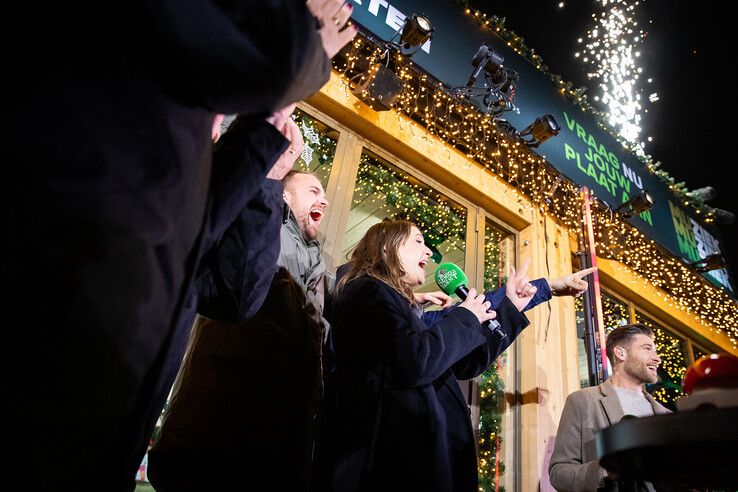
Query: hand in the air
572, 284
518, 289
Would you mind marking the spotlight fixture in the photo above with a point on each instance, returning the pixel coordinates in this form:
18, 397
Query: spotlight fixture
641, 202
500, 81
543, 128
379, 87
415, 32
713, 261
485, 59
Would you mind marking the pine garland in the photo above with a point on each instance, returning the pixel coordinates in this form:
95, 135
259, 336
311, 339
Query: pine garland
578, 97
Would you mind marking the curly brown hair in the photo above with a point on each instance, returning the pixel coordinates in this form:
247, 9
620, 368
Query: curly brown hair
376, 255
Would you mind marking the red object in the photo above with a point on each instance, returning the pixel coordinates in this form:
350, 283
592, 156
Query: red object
712, 371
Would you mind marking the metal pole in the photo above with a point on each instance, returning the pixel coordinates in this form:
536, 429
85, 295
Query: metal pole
594, 336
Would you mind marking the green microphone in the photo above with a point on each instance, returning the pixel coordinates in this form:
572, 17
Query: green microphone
452, 280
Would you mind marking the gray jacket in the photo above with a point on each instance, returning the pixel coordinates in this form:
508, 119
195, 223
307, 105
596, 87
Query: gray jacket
574, 465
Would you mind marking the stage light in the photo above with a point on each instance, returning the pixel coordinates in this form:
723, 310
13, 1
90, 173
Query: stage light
485, 59
713, 261
641, 202
500, 82
379, 87
415, 32
543, 128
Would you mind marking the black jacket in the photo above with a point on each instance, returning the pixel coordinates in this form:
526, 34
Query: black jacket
109, 166
395, 417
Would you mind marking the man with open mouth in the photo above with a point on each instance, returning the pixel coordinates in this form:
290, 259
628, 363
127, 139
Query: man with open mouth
243, 409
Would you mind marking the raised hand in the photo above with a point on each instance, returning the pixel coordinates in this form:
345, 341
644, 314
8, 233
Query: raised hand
332, 16
572, 284
478, 305
287, 160
280, 117
518, 288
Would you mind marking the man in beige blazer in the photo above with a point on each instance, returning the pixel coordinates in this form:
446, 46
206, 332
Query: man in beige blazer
632, 353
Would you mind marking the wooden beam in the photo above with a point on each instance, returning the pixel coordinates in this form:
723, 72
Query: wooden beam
413, 144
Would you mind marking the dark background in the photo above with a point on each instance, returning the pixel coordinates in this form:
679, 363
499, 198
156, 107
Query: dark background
687, 51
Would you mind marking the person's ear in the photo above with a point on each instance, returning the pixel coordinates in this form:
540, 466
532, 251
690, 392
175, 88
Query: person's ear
620, 352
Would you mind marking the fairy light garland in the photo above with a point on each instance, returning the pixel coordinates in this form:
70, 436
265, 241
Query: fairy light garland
490, 467
578, 97
462, 126
679, 286
442, 221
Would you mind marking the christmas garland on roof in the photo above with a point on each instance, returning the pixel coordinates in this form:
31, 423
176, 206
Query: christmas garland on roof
578, 98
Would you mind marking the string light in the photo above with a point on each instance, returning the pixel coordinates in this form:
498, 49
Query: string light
578, 98
460, 125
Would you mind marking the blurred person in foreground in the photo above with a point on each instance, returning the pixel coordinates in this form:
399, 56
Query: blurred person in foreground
112, 199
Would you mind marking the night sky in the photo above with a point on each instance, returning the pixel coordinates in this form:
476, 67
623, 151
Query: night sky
687, 53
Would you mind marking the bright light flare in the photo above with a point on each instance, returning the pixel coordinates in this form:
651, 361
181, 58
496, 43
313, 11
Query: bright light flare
611, 54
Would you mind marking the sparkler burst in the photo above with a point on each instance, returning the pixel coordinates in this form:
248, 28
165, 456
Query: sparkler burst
611, 51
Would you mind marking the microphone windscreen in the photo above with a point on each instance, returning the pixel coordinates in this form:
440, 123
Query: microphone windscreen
449, 277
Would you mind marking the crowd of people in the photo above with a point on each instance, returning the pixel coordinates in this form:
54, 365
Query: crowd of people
171, 257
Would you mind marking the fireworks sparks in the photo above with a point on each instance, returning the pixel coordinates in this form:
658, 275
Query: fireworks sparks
611, 51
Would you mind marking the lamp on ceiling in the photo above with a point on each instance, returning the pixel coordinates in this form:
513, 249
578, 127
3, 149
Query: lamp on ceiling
641, 202
543, 128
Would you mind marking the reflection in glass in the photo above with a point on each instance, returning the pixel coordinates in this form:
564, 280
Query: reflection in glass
385, 191
320, 146
495, 424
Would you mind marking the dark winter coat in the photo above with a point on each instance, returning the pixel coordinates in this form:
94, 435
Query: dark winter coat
108, 121
395, 415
